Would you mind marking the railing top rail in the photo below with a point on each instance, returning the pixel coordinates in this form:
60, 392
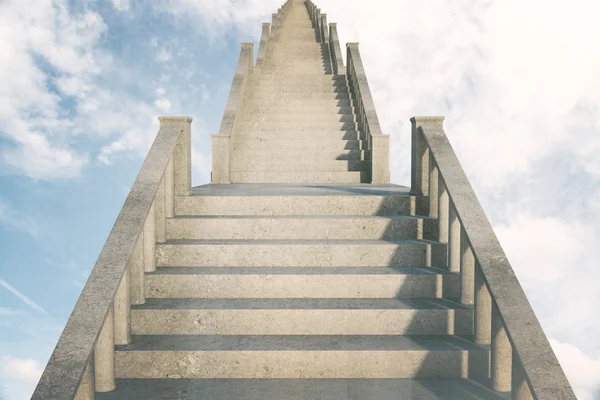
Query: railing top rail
235, 93
354, 66
542, 369
65, 368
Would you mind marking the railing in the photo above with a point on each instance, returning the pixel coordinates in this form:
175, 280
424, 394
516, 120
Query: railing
83, 359
222, 143
378, 144
337, 63
522, 360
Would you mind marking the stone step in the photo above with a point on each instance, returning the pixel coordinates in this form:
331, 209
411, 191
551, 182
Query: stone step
258, 87
296, 102
284, 97
299, 167
276, 109
284, 316
301, 389
301, 126
241, 143
313, 134
299, 253
303, 79
300, 227
294, 119
260, 202
249, 156
264, 174
296, 356
302, 282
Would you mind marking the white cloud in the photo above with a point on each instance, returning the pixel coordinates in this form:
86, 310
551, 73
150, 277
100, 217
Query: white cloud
160, 91
121, 5
163, 56
583, 371
163, 104
25, 371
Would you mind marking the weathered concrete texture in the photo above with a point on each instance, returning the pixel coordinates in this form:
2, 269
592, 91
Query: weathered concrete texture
300, 389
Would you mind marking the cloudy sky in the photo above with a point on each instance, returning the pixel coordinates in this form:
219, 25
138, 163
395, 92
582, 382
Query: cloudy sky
83, 82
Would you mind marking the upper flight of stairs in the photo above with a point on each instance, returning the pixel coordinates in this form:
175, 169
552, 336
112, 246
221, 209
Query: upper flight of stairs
297, 123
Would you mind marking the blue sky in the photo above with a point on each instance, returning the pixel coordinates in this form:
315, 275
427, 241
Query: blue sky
83, 82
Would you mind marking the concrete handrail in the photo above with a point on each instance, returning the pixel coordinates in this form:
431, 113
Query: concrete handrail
336, 51
264, 41
222, 142
522, 360
366, 116
101, 317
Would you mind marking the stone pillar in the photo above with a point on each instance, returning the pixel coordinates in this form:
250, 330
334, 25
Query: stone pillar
169, 191
483, 309
86, 386
159, 212
324, 30
150, 241
182, 155
273, 25
433, 187
467, 270
443, 211
104, 356
123, 311
454, 243
501, 366
136, 272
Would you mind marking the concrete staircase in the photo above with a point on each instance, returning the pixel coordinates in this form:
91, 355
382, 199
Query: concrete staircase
297, 124
296, 281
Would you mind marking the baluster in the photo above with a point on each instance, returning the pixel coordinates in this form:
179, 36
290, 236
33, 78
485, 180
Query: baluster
467, 270
136, 272
159, 212
318, 18
85, 391
123, 311
104, 356
150, 241
419, 154
483, 309
501, 364
169, 190
454, 242
433, 187
520, 388
443, 211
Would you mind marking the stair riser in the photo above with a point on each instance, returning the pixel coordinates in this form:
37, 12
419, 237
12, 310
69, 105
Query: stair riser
298, 135
313, 228
302, 126
310, 104
296, 119
299, 112
274, 286
316, 168
299, 145
292, 364
301, 322
262, 175
300, 255
300, 95
294, 205
270, 89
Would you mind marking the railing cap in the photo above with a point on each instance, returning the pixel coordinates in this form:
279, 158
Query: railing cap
164, 120
247, 44
333, 24
266, 24
352, 44
431, 120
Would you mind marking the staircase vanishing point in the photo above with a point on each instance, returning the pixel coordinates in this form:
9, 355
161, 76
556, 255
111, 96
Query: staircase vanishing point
300, 272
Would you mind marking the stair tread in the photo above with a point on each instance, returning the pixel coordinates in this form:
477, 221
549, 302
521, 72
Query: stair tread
391, 270
306, 217
282, 189
299, 304
258, 242
300, 343
300, 389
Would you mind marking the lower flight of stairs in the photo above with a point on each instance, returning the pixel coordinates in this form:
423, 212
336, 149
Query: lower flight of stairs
300, 292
